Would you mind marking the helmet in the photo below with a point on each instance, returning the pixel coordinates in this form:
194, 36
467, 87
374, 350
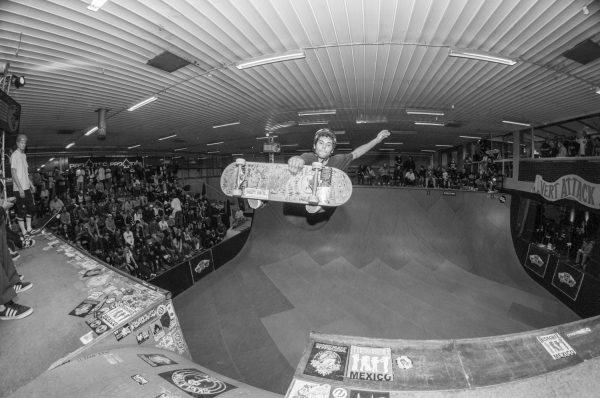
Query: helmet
325, 133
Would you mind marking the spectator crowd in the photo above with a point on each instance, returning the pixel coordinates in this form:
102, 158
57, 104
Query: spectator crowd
134, 219
583, 144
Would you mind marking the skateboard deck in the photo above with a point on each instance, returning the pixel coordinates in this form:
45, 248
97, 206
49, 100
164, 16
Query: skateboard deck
274, 181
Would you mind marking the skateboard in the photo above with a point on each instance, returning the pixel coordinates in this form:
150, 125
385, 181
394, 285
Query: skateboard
314, 186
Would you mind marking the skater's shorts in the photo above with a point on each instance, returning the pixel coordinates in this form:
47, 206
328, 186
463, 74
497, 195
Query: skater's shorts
24, 207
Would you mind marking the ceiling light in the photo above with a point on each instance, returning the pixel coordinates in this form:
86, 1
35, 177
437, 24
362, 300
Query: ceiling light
135, 146
144, 102
405, 132
271, 59
95, 5
393, 143
70, 145
339, 132
386, 149
266, 137
51, 159
429, 124
213, 151
597, 90
444, 145
381, 119
469, 137
225, 125
424, 112
343, 143
215, 143
286, 145
481, 56
18, 81
167, 137
517, 123
237, 154
317, 113
180, 149
91, 131
427, 150
313, 123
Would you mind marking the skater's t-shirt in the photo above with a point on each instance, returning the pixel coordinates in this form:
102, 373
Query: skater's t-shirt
340, 161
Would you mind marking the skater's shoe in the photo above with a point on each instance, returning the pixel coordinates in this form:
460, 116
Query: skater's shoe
13, 310
28, 243
15, 255
21, 287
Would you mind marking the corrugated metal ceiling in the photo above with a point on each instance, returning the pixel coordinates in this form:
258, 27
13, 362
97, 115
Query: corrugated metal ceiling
367, 59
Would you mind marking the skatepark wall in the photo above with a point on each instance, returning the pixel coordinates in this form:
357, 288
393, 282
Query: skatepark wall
554, 271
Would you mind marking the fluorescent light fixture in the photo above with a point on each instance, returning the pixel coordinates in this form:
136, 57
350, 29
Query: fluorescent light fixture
225, 125
517, 123
339, 132
202, 158
51, 159
266, 137
393, 143
469, 137
481, 56
134, 146
317, 113
237, 154
427, 150
180, 149
167, 137
444, 145
313, 123
213, 151
42, 166
144, 102
597, 90
91, 131
95, 5
424, 112
215, 143
286, 145
369, 120
386, 149
177, 157
404, 132
269, 59
70, 145
429, 124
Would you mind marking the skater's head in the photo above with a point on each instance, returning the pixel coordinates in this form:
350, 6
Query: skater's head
324, 143
21, 141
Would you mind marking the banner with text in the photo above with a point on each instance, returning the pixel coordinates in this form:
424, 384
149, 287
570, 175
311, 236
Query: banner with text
569, 186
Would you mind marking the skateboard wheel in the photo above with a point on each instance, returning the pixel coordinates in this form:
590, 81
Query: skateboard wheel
240, 161
317, 165
236, 192
255, 203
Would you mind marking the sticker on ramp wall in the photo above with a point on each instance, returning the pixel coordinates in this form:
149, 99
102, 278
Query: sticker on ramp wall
368, 394
327, 361
370, 364
196, 383
556, 346
156, 360
302, 389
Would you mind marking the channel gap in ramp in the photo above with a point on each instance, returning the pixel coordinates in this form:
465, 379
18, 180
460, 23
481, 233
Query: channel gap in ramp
391, 263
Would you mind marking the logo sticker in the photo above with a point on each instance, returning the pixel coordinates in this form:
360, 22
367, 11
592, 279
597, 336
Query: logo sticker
143, 336
302, 389
84, 308
122, 332
556, 346
155, 360
327, 360
370, 363
139, 379
404, 362
196, 383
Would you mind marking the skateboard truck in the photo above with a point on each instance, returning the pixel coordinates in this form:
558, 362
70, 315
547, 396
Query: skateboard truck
317, 167
239, 177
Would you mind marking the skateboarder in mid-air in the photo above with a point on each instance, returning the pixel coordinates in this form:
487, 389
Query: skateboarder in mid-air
323, 146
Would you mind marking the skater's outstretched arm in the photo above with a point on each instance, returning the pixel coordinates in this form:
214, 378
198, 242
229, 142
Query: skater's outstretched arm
361, 150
